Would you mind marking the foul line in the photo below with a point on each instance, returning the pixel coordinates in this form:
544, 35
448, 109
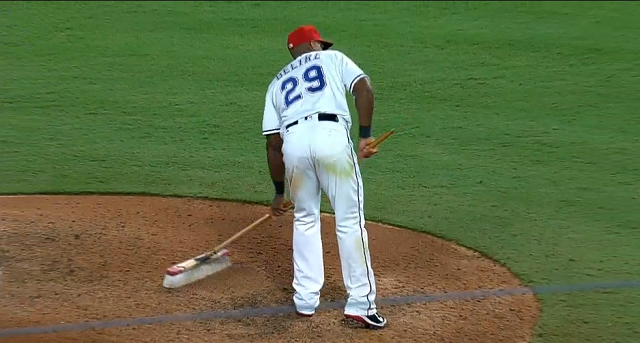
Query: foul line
255, 312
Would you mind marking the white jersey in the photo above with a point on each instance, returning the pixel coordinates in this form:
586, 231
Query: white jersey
314, 82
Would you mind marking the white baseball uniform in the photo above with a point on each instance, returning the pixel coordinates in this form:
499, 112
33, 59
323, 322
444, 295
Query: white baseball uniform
319, 155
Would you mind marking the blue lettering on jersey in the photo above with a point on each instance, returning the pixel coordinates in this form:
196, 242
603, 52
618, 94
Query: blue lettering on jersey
304, 59
313, 77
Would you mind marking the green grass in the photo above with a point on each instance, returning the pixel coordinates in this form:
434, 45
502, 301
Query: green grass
518, 123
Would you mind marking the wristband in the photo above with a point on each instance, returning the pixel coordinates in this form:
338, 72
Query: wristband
365, 131
279, 185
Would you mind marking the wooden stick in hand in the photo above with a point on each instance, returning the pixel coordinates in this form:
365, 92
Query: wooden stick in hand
380, 139
377, 141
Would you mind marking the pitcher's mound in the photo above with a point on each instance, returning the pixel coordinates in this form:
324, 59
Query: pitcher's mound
89, 258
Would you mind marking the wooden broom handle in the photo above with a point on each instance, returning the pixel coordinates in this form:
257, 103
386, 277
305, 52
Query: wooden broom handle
252, 226
288, 205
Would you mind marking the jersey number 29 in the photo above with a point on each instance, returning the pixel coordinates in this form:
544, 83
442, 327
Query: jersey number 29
314, 79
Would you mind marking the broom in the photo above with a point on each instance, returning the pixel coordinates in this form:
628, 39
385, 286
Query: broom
206, 264
219, 258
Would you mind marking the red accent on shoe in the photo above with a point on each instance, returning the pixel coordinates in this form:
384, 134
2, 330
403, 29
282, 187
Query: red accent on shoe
356, 318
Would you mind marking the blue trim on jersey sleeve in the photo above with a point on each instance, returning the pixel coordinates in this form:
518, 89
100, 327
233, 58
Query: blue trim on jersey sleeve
354, 82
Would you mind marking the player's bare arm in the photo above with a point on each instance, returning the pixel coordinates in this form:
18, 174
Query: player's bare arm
277, 170
365, 102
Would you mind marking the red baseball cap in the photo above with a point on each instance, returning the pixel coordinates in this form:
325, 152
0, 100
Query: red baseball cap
306, 34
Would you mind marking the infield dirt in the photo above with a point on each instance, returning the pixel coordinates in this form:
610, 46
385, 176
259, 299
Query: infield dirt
89, 258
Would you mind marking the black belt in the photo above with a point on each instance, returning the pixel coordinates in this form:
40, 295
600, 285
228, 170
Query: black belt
321, 117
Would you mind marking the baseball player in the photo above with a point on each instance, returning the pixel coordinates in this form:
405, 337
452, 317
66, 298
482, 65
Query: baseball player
307, 123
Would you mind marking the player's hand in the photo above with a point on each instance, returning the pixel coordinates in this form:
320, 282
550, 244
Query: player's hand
363, 150
277, 206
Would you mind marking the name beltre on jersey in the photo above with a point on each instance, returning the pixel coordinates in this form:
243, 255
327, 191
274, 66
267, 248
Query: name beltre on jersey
297, 64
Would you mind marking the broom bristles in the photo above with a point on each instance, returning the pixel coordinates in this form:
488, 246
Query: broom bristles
176, 277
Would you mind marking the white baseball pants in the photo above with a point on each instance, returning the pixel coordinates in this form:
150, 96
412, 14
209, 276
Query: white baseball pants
319, 155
